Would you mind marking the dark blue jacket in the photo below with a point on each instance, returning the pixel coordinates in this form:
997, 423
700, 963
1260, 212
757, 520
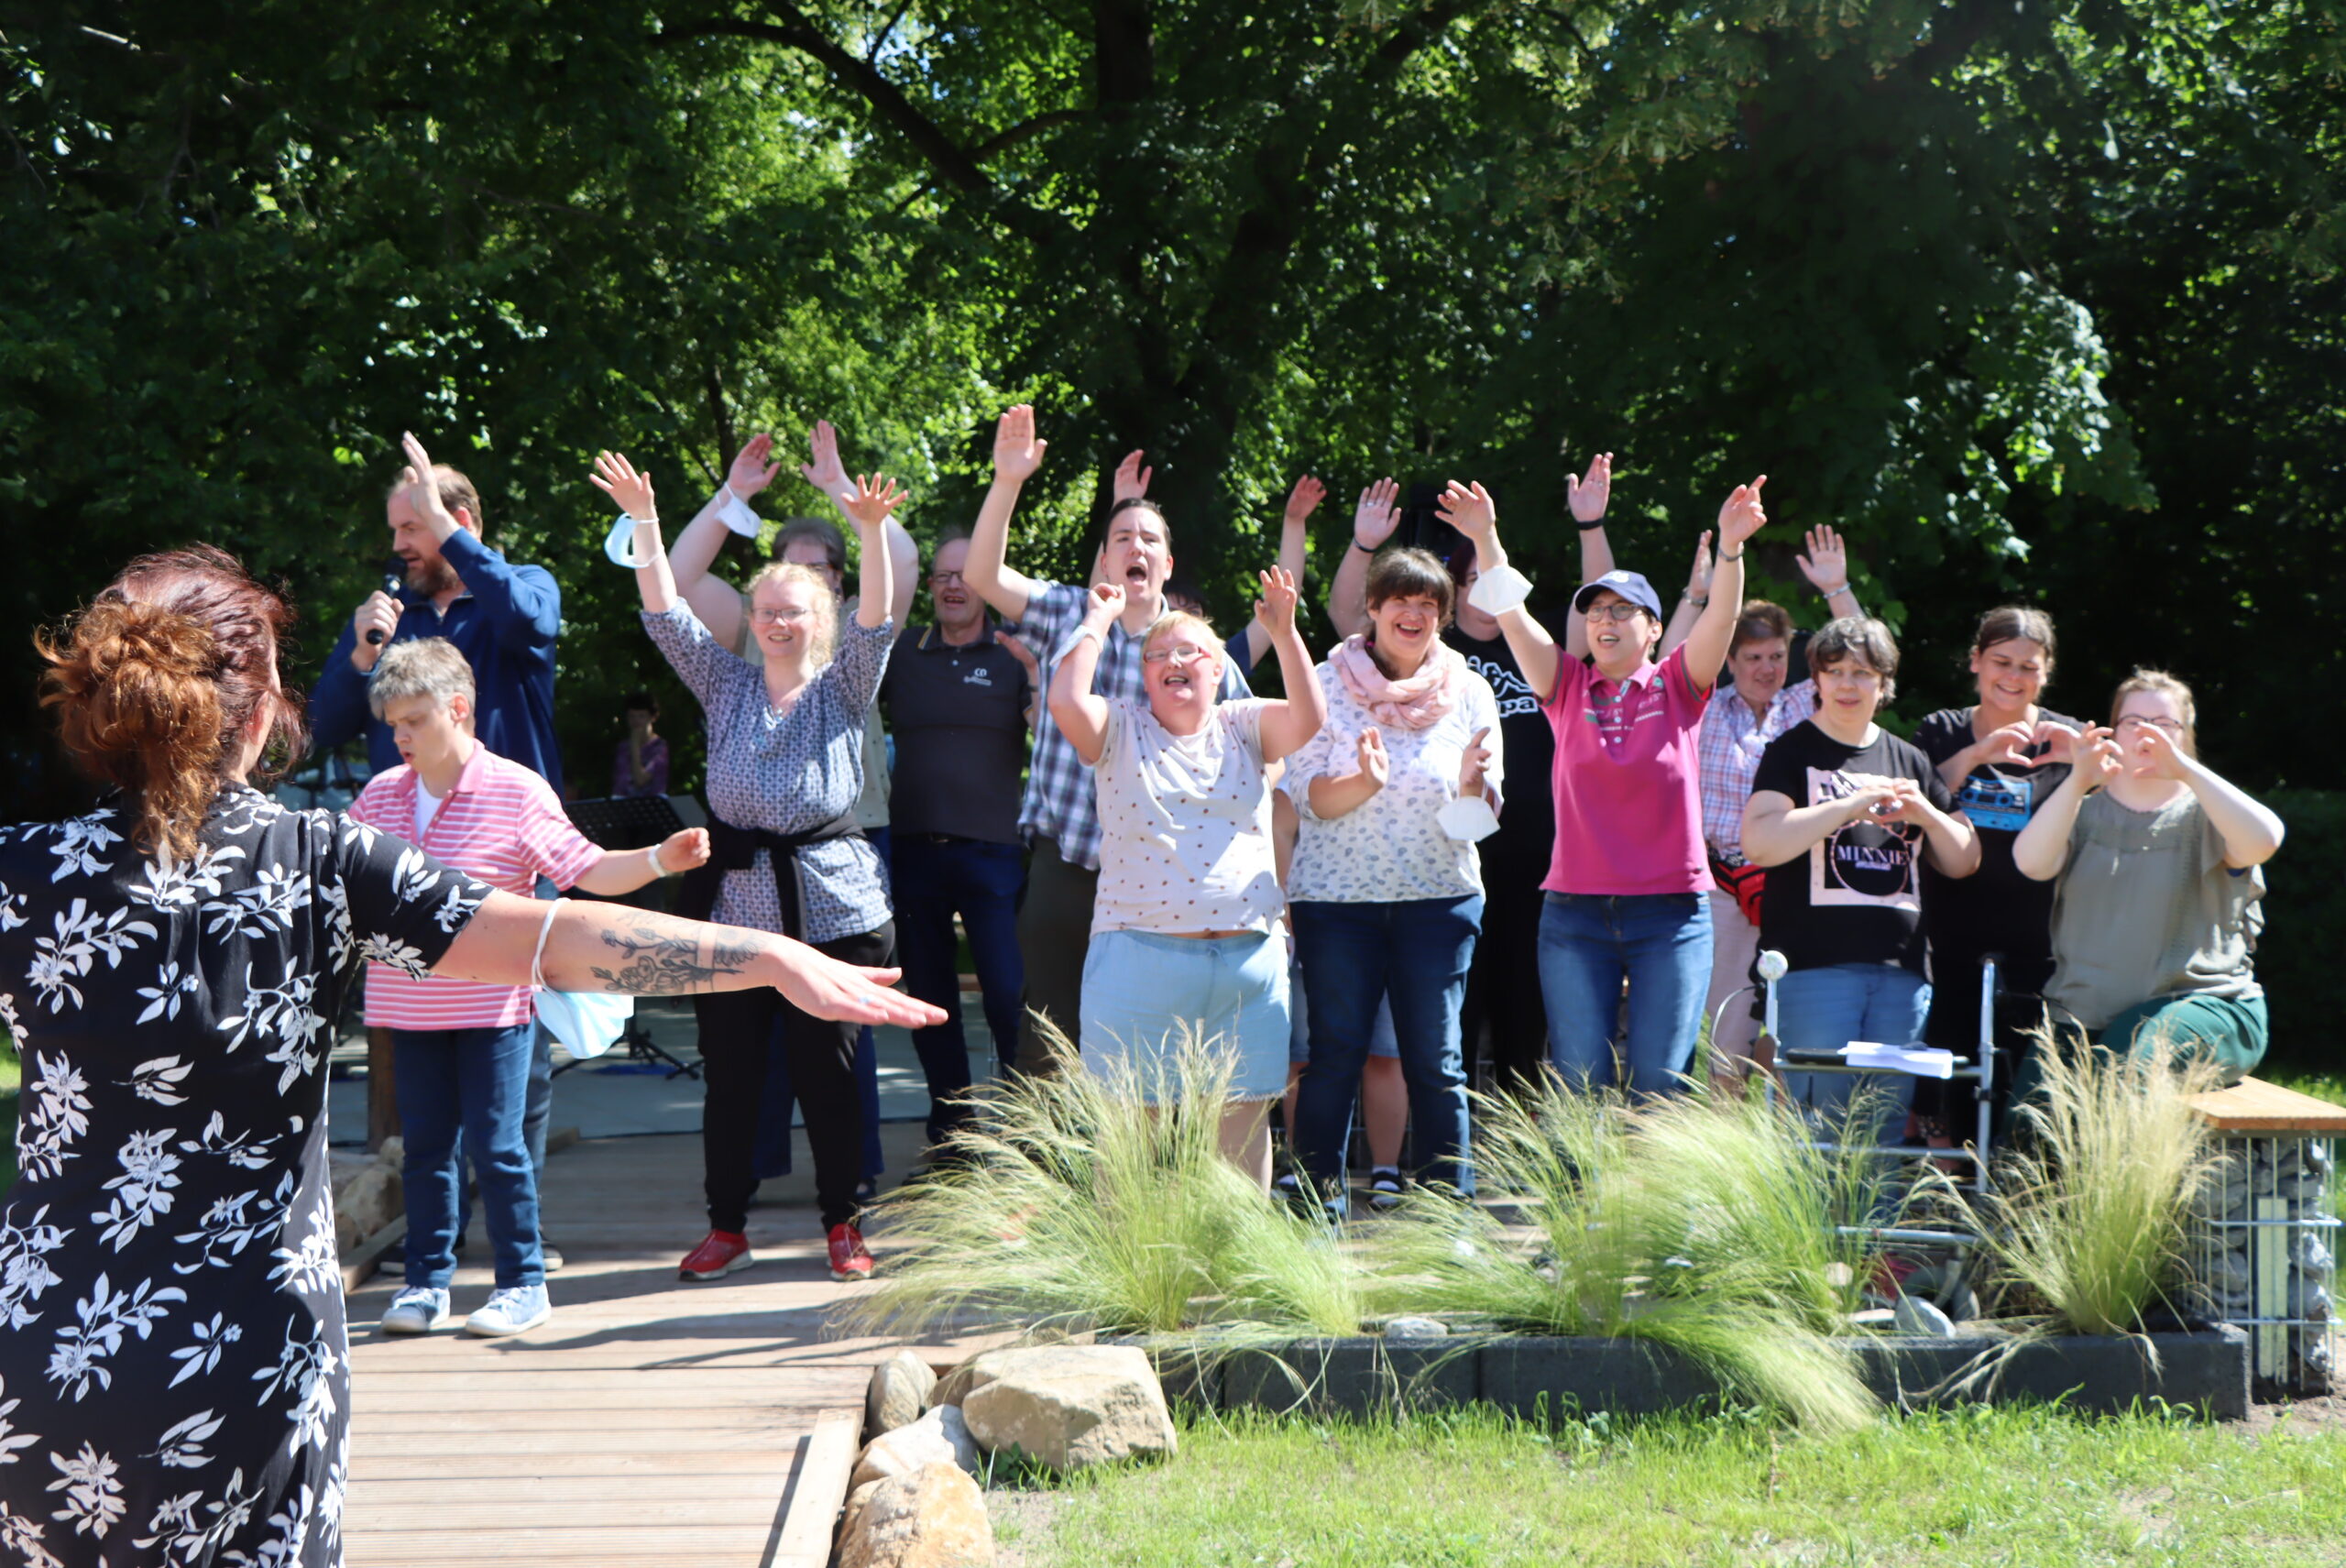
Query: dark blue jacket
505, 624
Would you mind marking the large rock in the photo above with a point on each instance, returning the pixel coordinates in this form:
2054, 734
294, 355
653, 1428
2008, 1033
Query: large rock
940, 1437
901, 1387
1068, 1406
970, 1375
934, 1517
367, 1196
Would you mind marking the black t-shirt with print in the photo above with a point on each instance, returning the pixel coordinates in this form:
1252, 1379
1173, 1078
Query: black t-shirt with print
1996, 908
1854, 897
1520, 851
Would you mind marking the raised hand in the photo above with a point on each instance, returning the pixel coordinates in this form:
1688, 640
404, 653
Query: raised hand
1377, 514
1276, 609
2099, 757
1698, 581
683, 850
1369, 752
870, 500
1107, 603
1016, 450
1472, 762
1469, 508
754, 467
1024, 655
1131, 481
1827, 564
1741, 515
2152, 753
1587, 496
617, 477
823, 470
1304, 499
423, 489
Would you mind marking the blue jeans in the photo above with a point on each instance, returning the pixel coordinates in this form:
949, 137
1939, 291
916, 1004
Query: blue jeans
1660, 942
1822, 1008
936, 878
476, 1081
1415, 953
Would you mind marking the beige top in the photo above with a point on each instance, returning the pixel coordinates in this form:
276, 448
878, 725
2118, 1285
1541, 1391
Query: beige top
1185, 825
2147, 908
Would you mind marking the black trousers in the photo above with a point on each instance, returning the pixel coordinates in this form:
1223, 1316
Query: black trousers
735, 1028
1503, 986
1054, 933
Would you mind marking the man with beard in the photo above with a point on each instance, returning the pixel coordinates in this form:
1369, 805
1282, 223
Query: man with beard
959, 695
502, 618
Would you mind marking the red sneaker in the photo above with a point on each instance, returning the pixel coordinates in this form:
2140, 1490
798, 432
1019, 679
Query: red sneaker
850, 1259
720, 1254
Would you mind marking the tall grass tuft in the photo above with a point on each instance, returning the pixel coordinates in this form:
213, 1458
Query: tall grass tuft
1071, 1202
1705, 1227
2093, 1216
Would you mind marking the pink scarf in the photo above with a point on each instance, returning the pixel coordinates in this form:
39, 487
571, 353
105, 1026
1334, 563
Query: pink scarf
1417, 703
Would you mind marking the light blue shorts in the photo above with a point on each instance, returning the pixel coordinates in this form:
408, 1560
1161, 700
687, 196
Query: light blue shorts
1382, 1041
1139, 988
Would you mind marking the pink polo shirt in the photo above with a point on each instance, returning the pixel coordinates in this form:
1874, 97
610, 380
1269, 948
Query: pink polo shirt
502, 824
1628, 781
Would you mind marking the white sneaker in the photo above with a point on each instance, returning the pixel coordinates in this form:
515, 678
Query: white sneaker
416, 1310
512, 1311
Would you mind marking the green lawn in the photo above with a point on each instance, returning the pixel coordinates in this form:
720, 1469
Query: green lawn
1979, 1487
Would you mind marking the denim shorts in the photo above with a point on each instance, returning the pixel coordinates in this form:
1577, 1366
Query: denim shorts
1382, 1041
1140, 988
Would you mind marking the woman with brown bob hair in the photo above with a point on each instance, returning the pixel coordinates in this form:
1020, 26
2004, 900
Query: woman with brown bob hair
174, 1386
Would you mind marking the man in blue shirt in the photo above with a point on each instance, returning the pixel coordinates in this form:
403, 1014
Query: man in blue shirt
502, 618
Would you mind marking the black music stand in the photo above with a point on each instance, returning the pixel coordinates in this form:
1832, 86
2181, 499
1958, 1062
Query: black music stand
632, 822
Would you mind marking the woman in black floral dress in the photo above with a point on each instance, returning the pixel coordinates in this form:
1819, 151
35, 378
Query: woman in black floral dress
174, 1384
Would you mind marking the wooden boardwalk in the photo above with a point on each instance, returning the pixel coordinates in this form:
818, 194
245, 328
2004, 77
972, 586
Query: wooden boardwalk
651, 1421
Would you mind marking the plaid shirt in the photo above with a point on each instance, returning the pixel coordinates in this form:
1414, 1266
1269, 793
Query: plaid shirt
1729, 745
1060, 803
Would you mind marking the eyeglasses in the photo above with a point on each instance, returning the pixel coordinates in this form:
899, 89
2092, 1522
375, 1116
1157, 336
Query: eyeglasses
943, 579
1179, 653
764, 617
1620, 610
2173, 727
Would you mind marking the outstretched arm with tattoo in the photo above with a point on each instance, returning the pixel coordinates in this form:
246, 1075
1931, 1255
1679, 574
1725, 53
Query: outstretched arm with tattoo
611, 948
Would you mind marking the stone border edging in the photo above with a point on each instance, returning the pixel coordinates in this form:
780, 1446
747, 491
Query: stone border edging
1525, 1375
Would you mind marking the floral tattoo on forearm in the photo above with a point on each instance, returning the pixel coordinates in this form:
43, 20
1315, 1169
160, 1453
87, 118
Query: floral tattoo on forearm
659, 964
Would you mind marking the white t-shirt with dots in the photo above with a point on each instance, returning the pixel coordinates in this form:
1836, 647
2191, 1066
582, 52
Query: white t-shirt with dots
1185, 825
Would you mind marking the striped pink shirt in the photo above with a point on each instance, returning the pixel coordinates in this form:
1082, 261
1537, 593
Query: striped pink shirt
502, 824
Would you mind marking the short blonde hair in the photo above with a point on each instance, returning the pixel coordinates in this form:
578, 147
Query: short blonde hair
2171, 687
826, 605
1173, 620
421, 666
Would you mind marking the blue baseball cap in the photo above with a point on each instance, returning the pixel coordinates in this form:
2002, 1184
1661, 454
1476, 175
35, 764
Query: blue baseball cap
1628, 585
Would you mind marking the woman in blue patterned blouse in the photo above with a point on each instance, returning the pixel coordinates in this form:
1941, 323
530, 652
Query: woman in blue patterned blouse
785, 764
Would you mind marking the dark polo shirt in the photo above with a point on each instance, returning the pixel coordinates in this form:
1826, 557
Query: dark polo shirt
959, 718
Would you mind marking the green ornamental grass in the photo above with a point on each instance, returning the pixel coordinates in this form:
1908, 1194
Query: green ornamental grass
1071, 1203
1705, 1226
2091, 1213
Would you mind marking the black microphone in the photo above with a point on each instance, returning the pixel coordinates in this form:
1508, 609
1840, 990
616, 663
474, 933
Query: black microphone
394, 579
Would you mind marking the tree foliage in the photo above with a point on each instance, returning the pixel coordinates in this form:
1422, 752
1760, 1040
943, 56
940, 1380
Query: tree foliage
2033, 301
